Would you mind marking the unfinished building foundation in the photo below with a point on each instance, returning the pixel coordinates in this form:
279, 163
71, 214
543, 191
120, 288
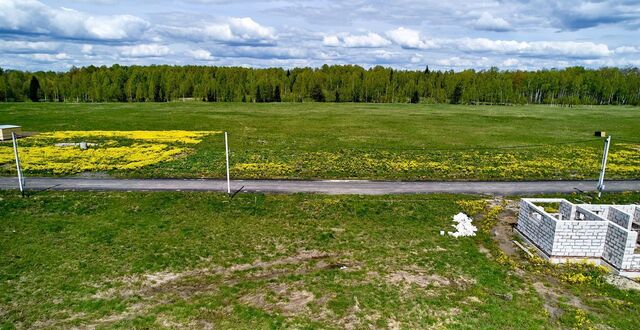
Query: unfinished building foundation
564, 232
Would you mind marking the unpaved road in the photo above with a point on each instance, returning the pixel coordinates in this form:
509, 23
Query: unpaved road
335, 187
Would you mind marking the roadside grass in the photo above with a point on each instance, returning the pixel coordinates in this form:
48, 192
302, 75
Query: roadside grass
149, 260
362, 141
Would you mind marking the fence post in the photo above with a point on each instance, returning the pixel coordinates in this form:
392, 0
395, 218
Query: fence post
604, 165
226, 148
18, 167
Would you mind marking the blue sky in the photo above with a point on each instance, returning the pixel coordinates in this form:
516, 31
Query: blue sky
405, 34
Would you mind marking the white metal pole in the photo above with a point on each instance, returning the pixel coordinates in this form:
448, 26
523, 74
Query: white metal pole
226, 148
604, 165
18, 167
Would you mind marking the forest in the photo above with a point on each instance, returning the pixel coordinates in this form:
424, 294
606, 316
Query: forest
337, 83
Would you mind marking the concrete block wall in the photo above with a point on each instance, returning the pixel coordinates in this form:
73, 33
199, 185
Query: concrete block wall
631, 263
587, 213
619, 217
630, 260
607, 234
615, 245
579, 238
567, 210
596, 209
625, 208
537, 226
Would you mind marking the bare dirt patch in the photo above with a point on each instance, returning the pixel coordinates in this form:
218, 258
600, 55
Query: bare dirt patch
351, 320
153, 286
302, 256
472, 300
553, 295
421, 280
485, 251
507, 219
284, 300
297, 301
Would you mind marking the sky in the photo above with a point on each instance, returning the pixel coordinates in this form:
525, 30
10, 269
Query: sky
403, 34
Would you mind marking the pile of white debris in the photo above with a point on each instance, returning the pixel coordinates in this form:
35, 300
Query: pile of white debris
464, 227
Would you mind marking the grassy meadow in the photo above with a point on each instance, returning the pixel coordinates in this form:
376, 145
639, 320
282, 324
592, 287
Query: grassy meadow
197, 260
356, 141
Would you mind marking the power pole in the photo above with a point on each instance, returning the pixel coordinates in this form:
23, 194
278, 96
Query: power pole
18, 167
607, 142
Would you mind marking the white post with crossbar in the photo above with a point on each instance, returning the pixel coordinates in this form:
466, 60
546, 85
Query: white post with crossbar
18, 167
226, 148
604, 165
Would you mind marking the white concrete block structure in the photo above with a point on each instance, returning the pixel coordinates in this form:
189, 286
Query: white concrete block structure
6, 130
604, 234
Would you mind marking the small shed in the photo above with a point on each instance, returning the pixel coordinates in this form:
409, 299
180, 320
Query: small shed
6, 130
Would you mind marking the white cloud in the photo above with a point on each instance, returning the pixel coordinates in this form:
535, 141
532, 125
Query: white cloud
538, 48
247, 29
627, 50
34, 17
144, 50
231, 30
488, 22
50, 57
87, 49
464, 62
201, 54
408, 38
369, 40
331, 41
21, 47
511, 62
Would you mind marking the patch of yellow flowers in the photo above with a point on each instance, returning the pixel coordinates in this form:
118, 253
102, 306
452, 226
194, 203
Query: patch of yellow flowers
115, 150
575, 162
175, 136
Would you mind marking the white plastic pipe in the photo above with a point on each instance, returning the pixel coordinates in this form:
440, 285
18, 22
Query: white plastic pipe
604, 165
226, 148
18, 167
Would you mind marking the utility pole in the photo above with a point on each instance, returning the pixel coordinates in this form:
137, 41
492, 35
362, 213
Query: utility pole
18, 167
607, 142
226, 148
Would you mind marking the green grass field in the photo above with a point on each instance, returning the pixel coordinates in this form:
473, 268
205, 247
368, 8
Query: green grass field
195, 260
364, 141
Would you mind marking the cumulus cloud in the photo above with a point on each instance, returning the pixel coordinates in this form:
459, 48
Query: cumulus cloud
412, 39
369, 40
34, 17
408, 38
201, 55
144, 50
488, 22
231, 30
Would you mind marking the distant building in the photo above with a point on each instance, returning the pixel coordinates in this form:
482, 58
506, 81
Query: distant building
564, 232
6, 130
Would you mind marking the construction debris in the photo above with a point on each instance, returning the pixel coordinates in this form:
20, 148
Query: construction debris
464, 227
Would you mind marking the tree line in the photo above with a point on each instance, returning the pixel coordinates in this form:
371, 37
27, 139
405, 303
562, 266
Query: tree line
337, 83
